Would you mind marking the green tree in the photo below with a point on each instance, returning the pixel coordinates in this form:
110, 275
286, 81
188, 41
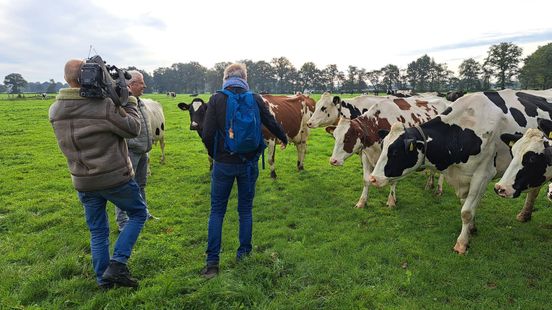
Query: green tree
504, 59
390, 76
285, 74
329, 78
375, 77
17, 81
418, 73
52, 87
537, 69
470, 72
309, 76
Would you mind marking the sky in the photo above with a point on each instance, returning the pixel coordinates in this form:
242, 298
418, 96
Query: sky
38, 37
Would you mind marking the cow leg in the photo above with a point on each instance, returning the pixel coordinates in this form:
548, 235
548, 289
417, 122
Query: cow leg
439, 190
430, 183
477, 188
301, 150
366, 171
392, 198
271, 156
525, 214
162, 145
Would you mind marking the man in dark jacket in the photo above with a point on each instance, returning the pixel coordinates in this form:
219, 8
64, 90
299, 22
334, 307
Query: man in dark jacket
91, 134
228, 167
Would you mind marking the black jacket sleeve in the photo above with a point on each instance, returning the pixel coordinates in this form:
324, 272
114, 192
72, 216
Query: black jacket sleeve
210, 126
269, 121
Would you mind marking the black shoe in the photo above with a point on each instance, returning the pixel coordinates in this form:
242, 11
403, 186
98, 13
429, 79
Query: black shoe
210, 271
106, 286
118, 273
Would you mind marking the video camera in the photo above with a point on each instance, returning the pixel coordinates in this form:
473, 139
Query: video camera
99, 80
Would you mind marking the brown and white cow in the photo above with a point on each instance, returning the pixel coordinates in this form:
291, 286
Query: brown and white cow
292, 112
360, 135
464, 143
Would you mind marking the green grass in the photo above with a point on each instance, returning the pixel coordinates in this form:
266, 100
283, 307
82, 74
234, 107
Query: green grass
312, 249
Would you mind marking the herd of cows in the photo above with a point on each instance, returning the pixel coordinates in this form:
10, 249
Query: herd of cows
469, 141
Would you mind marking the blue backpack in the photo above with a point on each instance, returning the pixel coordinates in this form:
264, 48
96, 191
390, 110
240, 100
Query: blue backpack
242, 132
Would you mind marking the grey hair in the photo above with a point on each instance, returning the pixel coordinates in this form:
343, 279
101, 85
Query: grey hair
134, 75
235, 70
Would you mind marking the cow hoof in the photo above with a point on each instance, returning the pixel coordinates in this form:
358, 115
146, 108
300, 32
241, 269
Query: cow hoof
523, 217
273, 174
438, 193
460, 248
300, 168
359, 206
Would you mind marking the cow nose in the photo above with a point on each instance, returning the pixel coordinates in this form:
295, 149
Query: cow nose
309, 124
333, 161
372, 179
499, 190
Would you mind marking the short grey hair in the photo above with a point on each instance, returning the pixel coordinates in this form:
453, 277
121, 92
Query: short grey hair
235, 70
134, 74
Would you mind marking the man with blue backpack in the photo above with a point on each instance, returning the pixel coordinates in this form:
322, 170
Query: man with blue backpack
233, 137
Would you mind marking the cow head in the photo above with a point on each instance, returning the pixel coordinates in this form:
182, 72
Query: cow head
347, 136
197, 111
326, 112
531, 164
401, 154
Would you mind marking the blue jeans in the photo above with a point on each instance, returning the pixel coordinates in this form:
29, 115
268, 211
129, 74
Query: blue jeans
127, 197
222, 180
140, 165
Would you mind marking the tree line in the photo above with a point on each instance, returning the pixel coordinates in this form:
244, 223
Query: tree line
499, 70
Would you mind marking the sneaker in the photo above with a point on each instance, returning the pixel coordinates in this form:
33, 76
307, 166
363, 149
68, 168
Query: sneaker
151, 217
118, 273
210, 271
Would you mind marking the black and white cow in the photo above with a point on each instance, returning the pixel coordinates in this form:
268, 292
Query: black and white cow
532, 162
156, 119
360, 135
197, 109
464, 143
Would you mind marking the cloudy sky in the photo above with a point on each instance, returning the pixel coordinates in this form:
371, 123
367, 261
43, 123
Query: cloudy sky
37, 37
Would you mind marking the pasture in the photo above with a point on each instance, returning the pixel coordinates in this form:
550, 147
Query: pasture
312, 249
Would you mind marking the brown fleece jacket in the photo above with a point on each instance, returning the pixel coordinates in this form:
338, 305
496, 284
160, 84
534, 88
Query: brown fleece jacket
90, 132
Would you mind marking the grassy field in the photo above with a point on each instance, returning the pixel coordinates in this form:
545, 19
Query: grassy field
312, 249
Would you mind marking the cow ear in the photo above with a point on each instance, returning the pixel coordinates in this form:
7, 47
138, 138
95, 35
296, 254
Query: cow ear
183, 106
336, 100
382, 133
330, 129
545, 126
409, 145
510, 139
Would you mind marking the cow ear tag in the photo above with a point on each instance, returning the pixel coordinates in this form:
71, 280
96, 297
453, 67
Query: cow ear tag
550, 135
411, 147
511, 143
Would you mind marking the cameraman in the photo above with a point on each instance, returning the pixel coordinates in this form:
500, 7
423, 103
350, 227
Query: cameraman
91, 134
139, 146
